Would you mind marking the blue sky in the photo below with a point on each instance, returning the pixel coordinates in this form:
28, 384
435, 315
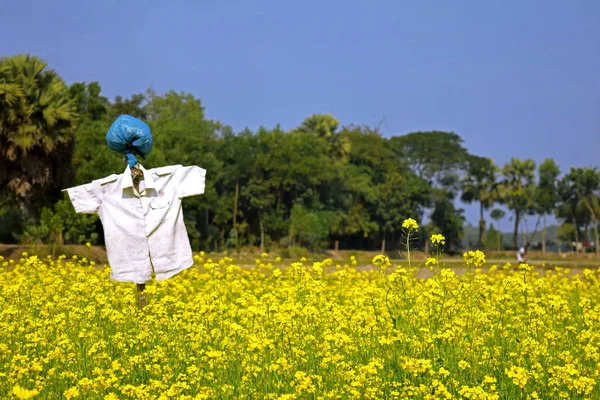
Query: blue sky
513, 78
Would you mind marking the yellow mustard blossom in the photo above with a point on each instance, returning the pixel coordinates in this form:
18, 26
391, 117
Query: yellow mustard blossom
474, 258
518, 375
381, 261
71, 393
525, 267
24, 394
410, 224
438, 239
225, 330
432, 263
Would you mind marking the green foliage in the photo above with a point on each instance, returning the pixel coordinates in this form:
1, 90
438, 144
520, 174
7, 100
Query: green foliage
435, 155
480, 184
88, 101
493, 239
497, 214
450, 220
547, 190
310, 228
567, 232
580, 192
517, 190
37, 122
309, 186
61, 225
11, 225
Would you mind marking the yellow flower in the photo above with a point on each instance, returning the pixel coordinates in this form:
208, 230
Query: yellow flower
88, 245
381, 261
438, 239
474, 258
431, 263
410, 224
518, 375
525, 267
24, 394
264, 255
71, 393
218, 316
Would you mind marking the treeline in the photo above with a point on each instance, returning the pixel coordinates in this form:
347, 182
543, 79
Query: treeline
318, 185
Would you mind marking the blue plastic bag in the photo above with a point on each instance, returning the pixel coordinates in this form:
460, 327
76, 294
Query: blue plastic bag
130, 136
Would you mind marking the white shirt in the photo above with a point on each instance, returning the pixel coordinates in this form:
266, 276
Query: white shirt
143, 230
521, 255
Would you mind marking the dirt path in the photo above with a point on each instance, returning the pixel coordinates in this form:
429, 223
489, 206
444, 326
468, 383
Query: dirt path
555, 262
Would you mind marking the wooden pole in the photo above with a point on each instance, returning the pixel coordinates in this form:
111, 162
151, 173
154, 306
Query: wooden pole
137, 175
141, 287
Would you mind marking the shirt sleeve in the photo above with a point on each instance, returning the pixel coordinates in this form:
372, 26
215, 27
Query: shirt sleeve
84, 199
192, 181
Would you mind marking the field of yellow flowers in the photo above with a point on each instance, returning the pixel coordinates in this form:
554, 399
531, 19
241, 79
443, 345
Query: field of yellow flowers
307, 331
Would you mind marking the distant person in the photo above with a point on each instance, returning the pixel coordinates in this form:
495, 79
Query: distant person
522, 253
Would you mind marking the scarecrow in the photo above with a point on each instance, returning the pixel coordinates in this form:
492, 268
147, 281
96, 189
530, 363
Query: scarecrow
141, 210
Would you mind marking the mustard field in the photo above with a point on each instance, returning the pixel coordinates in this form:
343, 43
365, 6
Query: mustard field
306, 331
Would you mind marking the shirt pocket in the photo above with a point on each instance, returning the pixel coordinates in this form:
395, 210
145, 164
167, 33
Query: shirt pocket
161, 209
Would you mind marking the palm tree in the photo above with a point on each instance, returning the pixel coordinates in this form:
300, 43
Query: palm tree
325, 126
585, 183
479, 184
497, 214
517, 189
37, 124
568, 209
546, 193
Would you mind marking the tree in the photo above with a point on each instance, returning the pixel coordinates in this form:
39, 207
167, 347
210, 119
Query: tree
492, 237
448, 220
497, 214
479, 184
37, 125
432, 155
62, 224
310, 228
569, 209
566, 232
325, 126
546, 192
438, 158
585, 183
134, 106
238, 153
399, 196
377, 191
182, 135
517, 190
88, 101
260, 200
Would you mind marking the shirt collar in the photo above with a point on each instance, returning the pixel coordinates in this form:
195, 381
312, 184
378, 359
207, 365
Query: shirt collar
127, 182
